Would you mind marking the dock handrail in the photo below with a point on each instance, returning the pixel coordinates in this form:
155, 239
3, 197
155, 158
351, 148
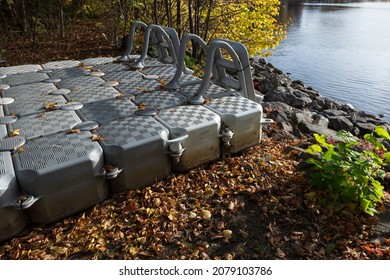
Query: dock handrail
181, 68
130, 41
163, 45
244, 74
215, 45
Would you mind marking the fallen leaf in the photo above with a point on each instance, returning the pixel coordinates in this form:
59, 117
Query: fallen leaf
280, 253
74, 130
18, 150
146, 90
205, 214
134, 250
15, 132
96, 137
227, 233
141, 240
244, 234
372, 250
156, 202
51, 106
192, 215
141, 107
207, 100
172, 215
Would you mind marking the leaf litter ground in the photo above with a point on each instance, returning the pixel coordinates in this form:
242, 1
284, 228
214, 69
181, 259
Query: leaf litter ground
255, 205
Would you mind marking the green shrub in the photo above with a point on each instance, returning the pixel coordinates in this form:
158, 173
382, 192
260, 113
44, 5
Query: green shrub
349, 170
194, 65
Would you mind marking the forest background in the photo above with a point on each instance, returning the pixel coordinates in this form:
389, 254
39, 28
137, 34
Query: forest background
101, 27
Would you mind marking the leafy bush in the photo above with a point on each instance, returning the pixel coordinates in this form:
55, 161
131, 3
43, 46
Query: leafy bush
349, 170
194, 65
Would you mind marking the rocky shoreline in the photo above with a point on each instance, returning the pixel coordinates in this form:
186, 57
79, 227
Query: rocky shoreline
301, 111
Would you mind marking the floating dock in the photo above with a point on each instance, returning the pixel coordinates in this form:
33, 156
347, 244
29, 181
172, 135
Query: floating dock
71, 132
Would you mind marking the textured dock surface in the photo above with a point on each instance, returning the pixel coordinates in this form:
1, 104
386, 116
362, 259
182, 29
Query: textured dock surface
87, 128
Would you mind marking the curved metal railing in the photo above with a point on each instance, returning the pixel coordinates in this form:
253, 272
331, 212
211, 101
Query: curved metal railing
215, 45
130, 42
165, 43
174, 83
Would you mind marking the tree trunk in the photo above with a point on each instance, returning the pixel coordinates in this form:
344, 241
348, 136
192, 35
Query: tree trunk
192, 29
62, 21
23, 17
168, 10
155, 11
207, 21
178, 17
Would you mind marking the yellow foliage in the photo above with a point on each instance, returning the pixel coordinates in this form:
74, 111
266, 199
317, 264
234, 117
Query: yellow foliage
252, 23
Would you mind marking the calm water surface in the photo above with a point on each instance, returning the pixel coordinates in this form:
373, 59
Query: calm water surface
340, 49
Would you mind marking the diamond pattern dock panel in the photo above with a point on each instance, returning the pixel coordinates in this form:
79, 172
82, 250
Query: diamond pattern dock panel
12, 220
64, 171
202, 127
138, 146
241, 116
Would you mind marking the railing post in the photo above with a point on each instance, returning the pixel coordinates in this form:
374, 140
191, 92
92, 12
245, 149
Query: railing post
130, 42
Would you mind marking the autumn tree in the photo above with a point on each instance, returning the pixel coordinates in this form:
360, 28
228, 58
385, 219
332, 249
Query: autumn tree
251, 22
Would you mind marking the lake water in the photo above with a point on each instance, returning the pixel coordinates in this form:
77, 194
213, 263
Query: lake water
340, 49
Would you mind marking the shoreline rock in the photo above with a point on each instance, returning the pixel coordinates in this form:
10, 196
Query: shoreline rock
301, 111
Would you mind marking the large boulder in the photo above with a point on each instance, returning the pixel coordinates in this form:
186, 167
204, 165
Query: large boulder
320, 120
340, 123
334, 113
365, 128
310, 129
278, 106
265, 84
302, 117
273, 95
296, 99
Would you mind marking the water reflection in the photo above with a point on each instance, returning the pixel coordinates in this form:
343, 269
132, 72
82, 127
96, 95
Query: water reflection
340, 48
291, 10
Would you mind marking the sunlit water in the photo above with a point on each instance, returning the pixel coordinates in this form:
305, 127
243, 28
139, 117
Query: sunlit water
342, 50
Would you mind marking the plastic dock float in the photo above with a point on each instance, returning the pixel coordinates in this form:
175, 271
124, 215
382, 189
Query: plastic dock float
73, 131
137, 147
106, 110
12, 217
241, 122
38, 125
31, 104
64, 172
37, 89
24, 78
160, 99
199, 128
92, 94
